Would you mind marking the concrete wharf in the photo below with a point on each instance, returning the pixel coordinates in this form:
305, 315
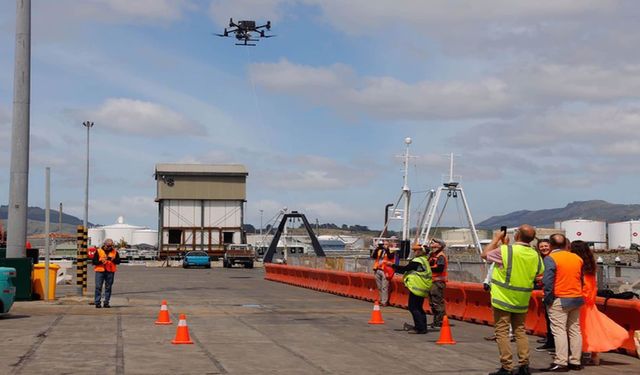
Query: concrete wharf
240, 324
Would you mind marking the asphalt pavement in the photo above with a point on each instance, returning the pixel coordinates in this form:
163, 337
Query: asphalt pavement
240, 324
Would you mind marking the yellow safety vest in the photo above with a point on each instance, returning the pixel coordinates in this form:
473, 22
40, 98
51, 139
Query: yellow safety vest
512, 284
419, 282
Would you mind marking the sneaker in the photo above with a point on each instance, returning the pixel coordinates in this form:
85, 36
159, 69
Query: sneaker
502, 371
545, 348
408, 327
106, 306
542, 340
98, 306
524, 370
490, 338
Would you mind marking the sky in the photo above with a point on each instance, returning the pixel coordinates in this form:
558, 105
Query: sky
538, 101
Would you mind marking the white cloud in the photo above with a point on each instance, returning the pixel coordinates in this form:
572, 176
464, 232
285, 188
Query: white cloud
311, 172
589, 83
139, 117
106, 210
338, 87
261, 11
329, 211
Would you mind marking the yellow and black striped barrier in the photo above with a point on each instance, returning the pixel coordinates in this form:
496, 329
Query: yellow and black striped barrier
81, 260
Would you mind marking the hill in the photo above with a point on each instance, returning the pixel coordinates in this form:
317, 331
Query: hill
591, 210
35, 220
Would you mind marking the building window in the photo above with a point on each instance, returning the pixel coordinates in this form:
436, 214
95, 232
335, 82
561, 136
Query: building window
175, 236
227, 237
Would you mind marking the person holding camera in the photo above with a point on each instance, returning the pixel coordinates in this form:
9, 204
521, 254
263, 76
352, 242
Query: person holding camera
383, 258
417, 278
439, 264
514, 273
105, 263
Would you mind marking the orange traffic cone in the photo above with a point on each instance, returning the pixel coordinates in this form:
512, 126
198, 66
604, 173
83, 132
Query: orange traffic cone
376, 315
163, 316
445, 333
182, 333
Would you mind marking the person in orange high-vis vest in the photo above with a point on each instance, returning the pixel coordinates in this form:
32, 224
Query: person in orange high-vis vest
383, 257
563, 298
439, 265
105, 262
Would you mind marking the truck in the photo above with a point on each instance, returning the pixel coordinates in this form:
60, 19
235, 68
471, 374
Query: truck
239, 254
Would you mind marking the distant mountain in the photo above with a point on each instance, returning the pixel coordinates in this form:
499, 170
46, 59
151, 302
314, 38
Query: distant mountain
35, 220
590, 210
37, 214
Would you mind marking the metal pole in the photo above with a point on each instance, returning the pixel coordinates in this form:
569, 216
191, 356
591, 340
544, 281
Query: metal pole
19, 174
85, 222
47, 211
60, 219
261, 224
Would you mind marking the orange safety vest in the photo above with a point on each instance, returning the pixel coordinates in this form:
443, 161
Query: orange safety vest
433, 262
568, 281
109, 266
382, 260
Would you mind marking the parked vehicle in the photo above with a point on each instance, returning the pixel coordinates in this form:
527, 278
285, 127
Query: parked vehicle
239, 254
7, 289
196, 258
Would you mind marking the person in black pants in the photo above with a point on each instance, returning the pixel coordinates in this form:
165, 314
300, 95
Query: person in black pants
417, 278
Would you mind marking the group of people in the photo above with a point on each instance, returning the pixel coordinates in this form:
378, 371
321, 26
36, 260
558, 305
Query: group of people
424, 276
566, 272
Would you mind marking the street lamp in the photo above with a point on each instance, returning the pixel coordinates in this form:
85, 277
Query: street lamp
88, 125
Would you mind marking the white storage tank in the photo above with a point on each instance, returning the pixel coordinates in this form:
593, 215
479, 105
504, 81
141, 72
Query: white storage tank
623, 234
120, 231
586, 230
145, 236
96, 236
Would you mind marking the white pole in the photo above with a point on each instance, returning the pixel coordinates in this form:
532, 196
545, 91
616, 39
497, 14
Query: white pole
47, 233
19, 171
406, 192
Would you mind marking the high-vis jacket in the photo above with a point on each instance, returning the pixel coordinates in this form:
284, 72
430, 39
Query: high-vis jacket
435, 260
512, 284
419, 281
102, 263
382, 257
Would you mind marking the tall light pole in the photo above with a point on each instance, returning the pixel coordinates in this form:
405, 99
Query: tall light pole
19, 173
88, 125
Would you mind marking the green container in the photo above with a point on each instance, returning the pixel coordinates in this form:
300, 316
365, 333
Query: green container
24, 268
3, 252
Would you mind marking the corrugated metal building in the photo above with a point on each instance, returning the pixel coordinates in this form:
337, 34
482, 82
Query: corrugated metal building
201, 207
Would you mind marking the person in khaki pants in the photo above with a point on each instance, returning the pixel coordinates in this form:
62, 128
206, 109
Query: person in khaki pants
515, 270
563, 297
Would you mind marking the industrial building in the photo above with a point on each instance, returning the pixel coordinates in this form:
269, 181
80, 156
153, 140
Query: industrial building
623, 234
200, 207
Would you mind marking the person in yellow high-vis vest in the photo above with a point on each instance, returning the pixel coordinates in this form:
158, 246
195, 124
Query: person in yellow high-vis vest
512, 281
105, 262
417, 278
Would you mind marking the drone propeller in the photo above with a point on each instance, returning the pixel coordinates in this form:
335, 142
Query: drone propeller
268, 36
226, 33
231, 24
268, 25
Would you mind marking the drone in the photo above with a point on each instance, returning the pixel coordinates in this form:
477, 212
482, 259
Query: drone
243, 31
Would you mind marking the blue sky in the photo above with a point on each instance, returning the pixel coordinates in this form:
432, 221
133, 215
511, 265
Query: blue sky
538, 100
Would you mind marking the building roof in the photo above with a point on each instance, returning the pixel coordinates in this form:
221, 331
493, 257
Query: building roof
201, 169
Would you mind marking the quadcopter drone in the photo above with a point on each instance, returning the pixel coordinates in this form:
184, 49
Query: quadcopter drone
243, 31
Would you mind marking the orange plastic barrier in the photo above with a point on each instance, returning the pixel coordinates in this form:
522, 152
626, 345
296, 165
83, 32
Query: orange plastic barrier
455, 299
398, 294
627, 314
536, 322
466, 301
478, 309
